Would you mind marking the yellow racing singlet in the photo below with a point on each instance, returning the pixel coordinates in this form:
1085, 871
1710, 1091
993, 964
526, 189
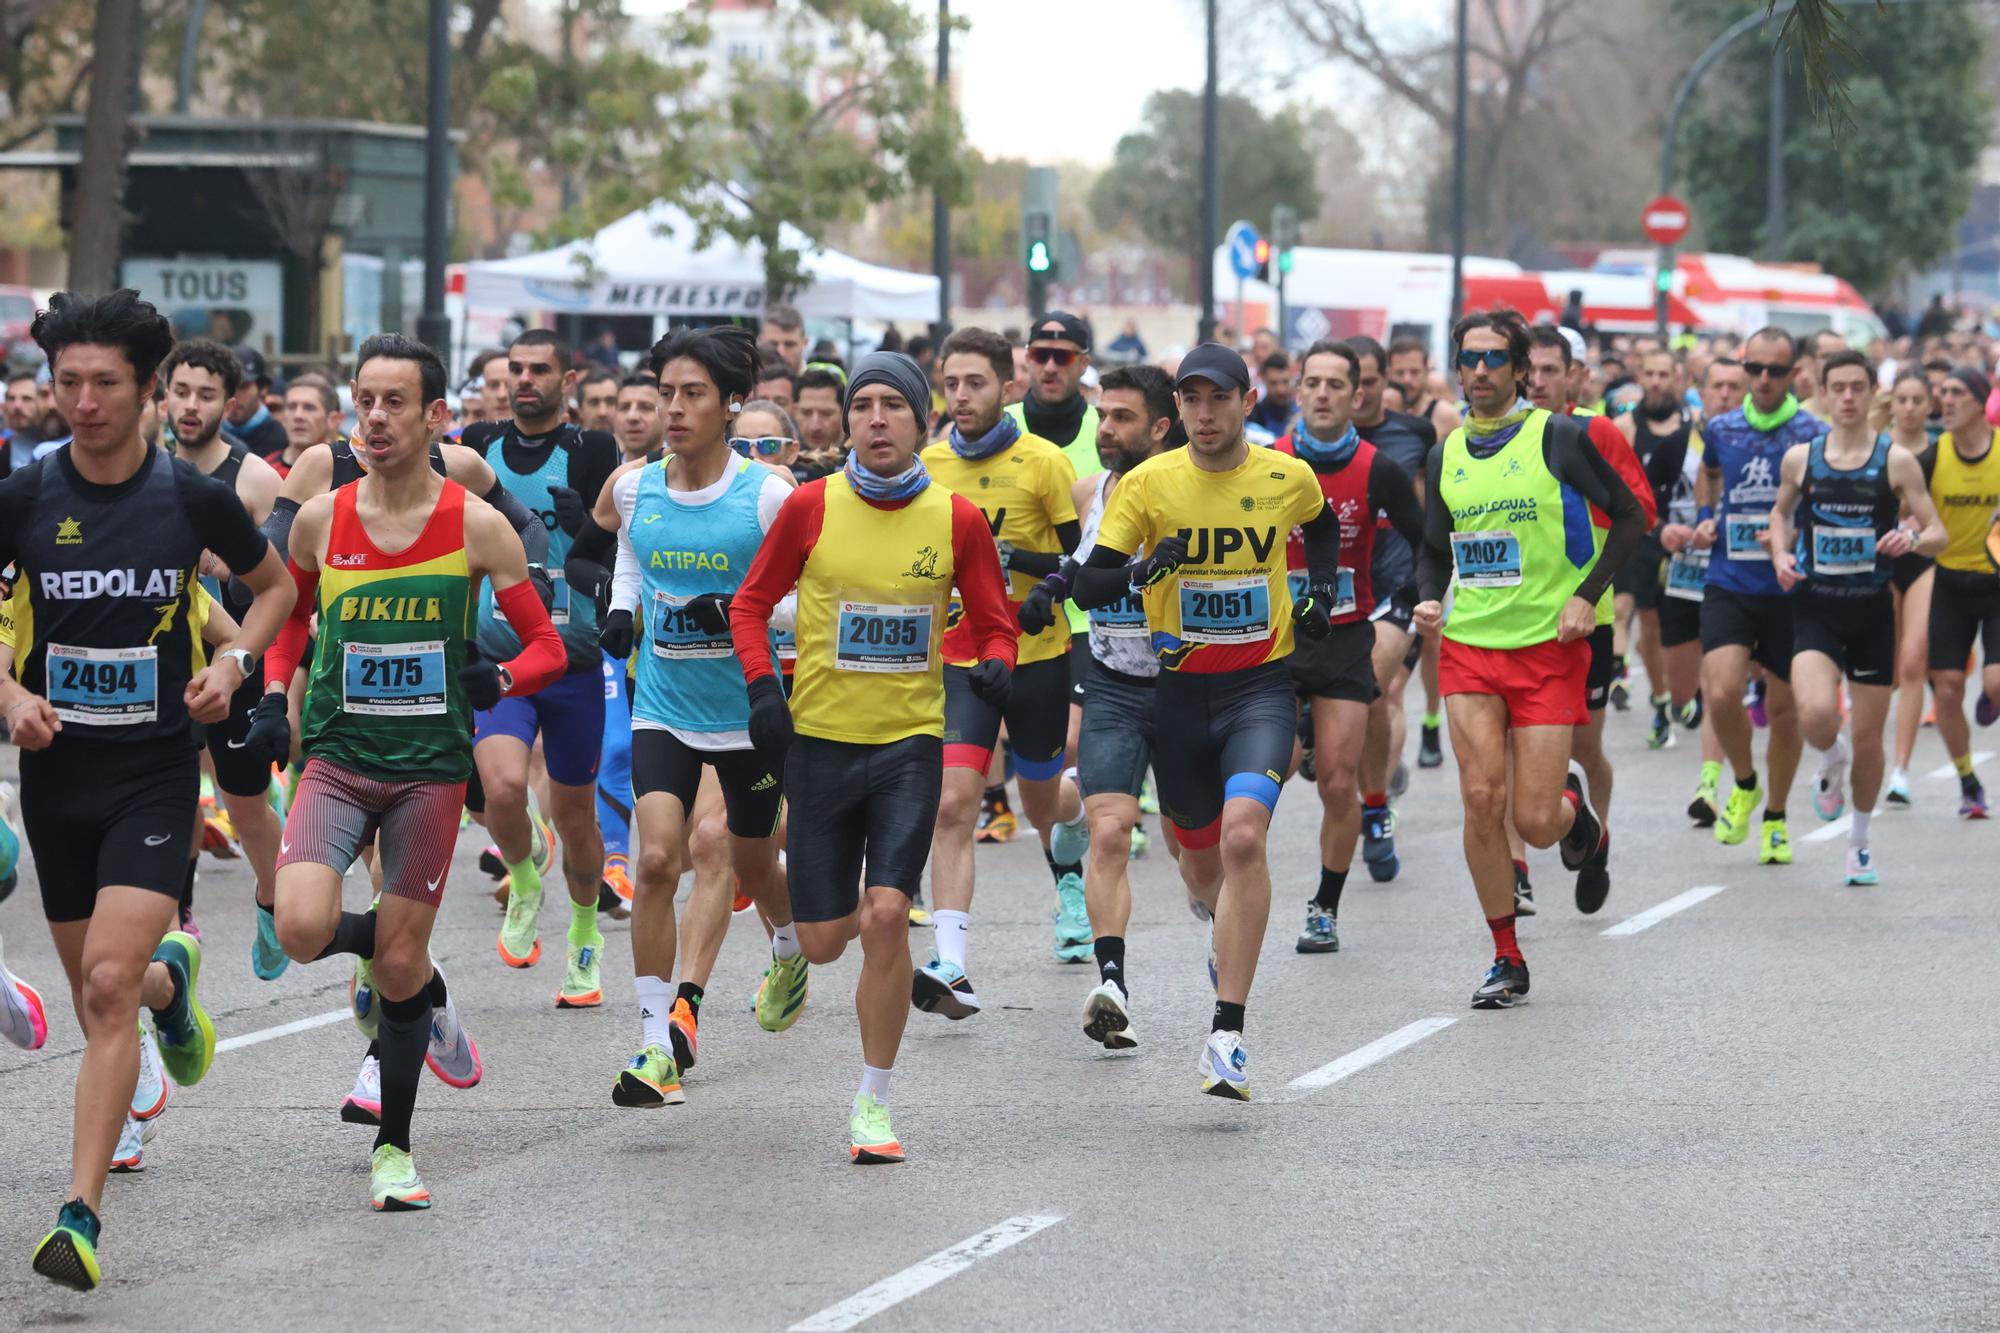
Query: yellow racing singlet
1967, 491
1024, 492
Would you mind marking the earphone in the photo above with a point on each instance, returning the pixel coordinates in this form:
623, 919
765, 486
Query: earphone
736, 405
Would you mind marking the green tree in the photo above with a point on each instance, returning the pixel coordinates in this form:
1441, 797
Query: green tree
1885, 193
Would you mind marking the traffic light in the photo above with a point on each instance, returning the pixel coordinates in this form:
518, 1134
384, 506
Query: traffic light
1263, 254
1039, 234
1284, 234
1664, 280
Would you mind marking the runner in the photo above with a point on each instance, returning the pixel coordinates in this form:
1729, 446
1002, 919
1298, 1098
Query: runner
1410, 370
1965, 596
312, 416
1723, 387
1909, 412
1663, 436
1021, 482
107, 672
390, 566
1745, 615
1848, 487
1213, 517
688, 529
874, 554
1531, 568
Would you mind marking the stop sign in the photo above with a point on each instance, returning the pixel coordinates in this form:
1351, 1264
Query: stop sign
1665, 220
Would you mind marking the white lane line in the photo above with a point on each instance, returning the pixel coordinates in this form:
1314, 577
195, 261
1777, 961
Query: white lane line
1950, 771
1828, 832
923, 1275
1652, 916
282, 1030
1374, 1052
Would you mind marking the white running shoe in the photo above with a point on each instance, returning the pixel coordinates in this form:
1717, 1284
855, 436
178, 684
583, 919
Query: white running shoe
1224, 1066
1861, 866
363, 1106
130, 1154
1105, 1019
452, 1055
23, 1020
1830, 791
151, 1093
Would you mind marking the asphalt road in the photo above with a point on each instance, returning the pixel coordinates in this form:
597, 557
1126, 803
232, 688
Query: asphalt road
1768, 1107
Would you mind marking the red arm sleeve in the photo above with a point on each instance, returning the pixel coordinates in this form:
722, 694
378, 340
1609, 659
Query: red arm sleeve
542, 658
982, 589
282, 658
1617, 450
773, 573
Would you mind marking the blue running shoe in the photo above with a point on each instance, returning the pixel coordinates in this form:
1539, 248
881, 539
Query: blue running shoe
267, 956
941, 987
1378, 842
10, 842
1072, 921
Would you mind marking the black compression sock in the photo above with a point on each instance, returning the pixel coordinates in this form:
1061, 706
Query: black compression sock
1747, 784
1110, 950
692, 994
434, 991
1331, 882
406, 1031
1059, 869
187, 885
355, 934
1774, 814
374, 1051
1228, 1017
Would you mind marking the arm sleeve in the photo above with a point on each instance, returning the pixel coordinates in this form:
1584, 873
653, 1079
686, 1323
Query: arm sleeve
1041, 564
1322, 537
16, 500
1434, 554
282, 658
627, 582
981, 589
1576, 463
773, 574
534, 537
277, 527
222, 523
542, 659
1390, 491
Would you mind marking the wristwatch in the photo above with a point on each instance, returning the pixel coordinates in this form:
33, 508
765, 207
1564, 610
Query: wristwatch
506, 680
244, 659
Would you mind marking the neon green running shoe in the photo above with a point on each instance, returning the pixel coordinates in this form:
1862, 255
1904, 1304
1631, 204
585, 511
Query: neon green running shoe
781, 995
1774, 848
520, 942
651, 1080
361, 997
1149, 800
68, 1255
185, 1031
870, 1137
581, 988
393, 1183
1732, 826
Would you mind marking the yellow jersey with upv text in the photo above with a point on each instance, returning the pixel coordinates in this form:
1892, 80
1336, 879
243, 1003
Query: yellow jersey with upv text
1229, 607
1024, 492
1967, 491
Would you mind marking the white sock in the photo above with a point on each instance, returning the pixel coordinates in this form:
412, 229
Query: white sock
1857, 833
785, 940
656, 1001
951, 930
1837, 751
1076, 784
874, 1083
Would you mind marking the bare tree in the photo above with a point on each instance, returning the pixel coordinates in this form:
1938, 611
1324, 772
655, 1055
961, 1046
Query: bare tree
97, 232
298, 192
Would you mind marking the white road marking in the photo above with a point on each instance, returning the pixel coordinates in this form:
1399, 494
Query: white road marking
1951, 771
923, 1275
1652, 916
282, 1030
1828, 832
1373, 1053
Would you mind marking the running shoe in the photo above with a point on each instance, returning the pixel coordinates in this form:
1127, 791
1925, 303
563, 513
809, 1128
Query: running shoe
683, 1032
941, 987
1774, 845
1149, 799
1753, 704
363, 1105
1593, 881
920, 915
610, 904
23, 1020
651, 1081
154, 1090
1660, 736
1070, 843
130, 1154
10, 843
393, 1183
452, 1055
1378, 842
1200, 910
1214, 976
743, 902
267, 957
1322, 934
1072, 921
1898, 791
871, 1139
1430, 749
1861, 866
1732, 826
617, 883
581, 986
781, 995
361, 993
520, 943
187, 922
1399, 781
1691, 713
1504, 986
186, 1032
1971, 798
1586, 831
68, 1255
1105, 1020
1524, 891
1225, 1066
1702, 808
541, 848
1830, 787
1141, 843
1984, 710
1307, 769
218, 835
996, 823
1621, 695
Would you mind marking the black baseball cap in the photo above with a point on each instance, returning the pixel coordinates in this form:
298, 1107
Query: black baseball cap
1061, 324
252, 361
1219, 365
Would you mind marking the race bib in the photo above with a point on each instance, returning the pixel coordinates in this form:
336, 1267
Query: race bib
1124, 618
1843, 550
787, 645
558, 598
1487, 559
882, 636
1225, 610
1343, 590
676, 636
1740, 534
1687, 575
393, 679
104, 687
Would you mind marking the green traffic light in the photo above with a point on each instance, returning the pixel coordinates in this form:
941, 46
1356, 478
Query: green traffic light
1284, 261
1038, 257
1664, 280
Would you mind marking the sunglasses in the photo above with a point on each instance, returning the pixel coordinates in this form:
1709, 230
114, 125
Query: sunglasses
1048, 356
1492, 359
1758, 369
767, 445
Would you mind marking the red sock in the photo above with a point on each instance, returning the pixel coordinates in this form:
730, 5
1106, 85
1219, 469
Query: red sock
1504, 944
1377, 799
1522, 867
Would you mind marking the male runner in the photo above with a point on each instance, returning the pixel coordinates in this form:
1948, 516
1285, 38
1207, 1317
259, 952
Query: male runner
597, 400
874, 553
1531, 568
637, 423
688, 528
1410, 370
1965, 594
1021, 483
784, 332
1745, 615
312, 416
1723, 387
107, 671
395, 678
248, 420
1335, 676
1849, 488
1662, 435
822, 432
1214, 517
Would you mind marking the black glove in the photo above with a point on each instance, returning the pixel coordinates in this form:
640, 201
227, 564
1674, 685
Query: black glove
992, 682
770, 717
616, 636
544, 585
588, 578
710, 612
1038, 610
480, 679
571, 511
1169, 554
1309, 613
269, 739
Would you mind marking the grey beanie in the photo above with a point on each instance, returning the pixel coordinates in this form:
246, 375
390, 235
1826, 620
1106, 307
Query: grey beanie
900, 373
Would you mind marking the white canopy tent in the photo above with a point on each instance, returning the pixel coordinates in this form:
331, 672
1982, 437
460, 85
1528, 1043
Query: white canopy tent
647, 263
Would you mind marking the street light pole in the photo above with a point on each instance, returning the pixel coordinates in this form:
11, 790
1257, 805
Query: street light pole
941, 215
1211, 191
433, 328
1458, 168
1774, 161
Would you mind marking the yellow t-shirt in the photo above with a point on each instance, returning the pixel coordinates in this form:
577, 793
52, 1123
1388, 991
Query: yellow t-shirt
1230, 606
1024, 492
1967, 492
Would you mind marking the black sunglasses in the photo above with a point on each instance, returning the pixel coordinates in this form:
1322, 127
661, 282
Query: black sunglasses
1755, 369
1493, 358
1060, 356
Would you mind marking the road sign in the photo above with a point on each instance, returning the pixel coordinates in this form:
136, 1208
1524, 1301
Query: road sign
1665, 220
1242, 244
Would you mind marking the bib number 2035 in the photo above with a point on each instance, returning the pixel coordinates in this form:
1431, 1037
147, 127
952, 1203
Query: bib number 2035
882, 636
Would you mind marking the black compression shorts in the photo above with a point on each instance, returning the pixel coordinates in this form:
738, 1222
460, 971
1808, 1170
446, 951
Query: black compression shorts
1965, 609
101, 813
859, 812
1221, 735
1856, 630
1761, 624
752, 789
1037, 718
